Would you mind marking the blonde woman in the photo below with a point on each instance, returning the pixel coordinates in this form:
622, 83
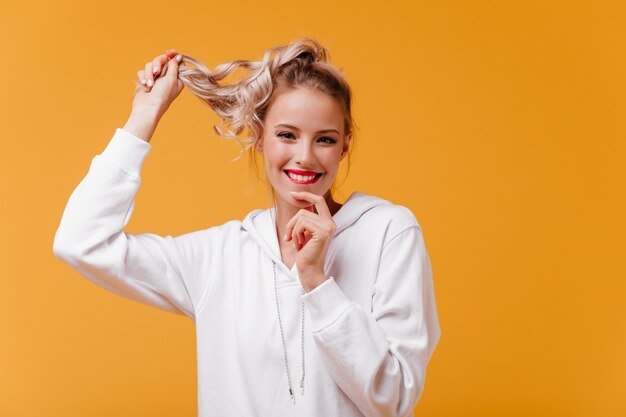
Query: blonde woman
308, 308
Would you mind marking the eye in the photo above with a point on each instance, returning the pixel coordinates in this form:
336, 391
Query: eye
330, 140
284, 133
326, 139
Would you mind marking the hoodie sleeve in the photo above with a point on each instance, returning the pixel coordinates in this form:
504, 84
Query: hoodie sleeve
379, 359
147, 268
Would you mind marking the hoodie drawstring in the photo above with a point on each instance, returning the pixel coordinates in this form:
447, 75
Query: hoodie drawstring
282, 335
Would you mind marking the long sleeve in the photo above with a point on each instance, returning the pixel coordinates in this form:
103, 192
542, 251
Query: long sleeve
379, 359
147, 268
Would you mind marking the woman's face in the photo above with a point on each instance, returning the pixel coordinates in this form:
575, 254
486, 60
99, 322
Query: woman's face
303, 137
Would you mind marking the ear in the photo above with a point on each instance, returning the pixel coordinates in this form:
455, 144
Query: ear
346, 145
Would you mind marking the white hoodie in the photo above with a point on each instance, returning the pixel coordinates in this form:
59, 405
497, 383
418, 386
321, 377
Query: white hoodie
369, 330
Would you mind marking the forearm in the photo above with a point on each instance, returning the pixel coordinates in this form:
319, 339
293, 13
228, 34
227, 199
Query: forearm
383, 377
144, 267
143, 122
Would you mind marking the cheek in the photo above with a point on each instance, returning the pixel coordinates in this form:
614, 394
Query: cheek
276, 156
331, 160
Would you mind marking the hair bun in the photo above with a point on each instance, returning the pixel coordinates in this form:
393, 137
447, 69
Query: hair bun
308, 56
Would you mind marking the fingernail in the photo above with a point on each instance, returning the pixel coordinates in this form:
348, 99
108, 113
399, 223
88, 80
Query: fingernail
179, 58
143, 80
285, 237
293, 192
154, 70
149, 83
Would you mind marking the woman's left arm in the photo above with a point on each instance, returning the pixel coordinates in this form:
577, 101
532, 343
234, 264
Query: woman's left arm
379, 359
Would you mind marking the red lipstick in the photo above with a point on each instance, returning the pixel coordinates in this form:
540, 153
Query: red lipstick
315, 176
298, 172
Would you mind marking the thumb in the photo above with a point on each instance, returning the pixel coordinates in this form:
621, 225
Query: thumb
172, 68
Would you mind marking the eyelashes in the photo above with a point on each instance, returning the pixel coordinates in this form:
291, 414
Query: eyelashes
331, 140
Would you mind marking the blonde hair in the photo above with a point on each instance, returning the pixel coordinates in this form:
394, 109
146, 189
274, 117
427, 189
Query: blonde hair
244, 104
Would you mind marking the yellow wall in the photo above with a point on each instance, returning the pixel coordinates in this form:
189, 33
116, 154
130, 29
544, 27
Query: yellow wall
499, 123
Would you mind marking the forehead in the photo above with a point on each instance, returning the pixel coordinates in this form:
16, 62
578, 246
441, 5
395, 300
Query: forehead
306, 109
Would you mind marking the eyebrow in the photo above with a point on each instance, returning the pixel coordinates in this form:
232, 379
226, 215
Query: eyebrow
295, 128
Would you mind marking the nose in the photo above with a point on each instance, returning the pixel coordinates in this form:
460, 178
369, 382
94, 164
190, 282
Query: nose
305, 157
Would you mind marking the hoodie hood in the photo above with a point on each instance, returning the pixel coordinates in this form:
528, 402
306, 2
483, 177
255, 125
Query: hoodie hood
261, 223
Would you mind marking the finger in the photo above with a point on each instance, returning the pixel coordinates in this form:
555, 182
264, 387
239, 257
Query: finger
307, 236
157, 66
298, 238
297, 243
317, 200
141, 83
292, 222
172, 69
148, 74
305, 227
140, 77
289, 226
159, 62
310, 208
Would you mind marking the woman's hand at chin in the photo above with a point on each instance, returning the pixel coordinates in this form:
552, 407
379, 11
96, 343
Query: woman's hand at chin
311, 231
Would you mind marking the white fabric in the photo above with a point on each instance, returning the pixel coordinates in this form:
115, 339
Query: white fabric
370, 329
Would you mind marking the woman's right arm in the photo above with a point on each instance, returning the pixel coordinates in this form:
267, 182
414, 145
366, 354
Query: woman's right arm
151, 269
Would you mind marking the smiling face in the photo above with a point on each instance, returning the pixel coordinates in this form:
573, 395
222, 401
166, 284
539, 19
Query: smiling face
303, 143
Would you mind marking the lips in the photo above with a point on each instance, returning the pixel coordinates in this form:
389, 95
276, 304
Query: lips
295, 181
298, 172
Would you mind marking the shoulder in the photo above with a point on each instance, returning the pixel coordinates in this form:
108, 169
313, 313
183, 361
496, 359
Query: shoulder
228, 230
398, 216
385, 219
394, 216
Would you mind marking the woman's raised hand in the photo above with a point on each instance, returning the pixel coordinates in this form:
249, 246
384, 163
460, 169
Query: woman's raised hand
158, 83
157, 86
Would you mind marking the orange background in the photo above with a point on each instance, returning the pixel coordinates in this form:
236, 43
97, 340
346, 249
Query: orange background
499, 124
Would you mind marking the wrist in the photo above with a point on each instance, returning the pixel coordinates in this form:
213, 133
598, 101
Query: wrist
147, 110
310, 282
143, 122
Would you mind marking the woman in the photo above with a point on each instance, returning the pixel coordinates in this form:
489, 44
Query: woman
308, 308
